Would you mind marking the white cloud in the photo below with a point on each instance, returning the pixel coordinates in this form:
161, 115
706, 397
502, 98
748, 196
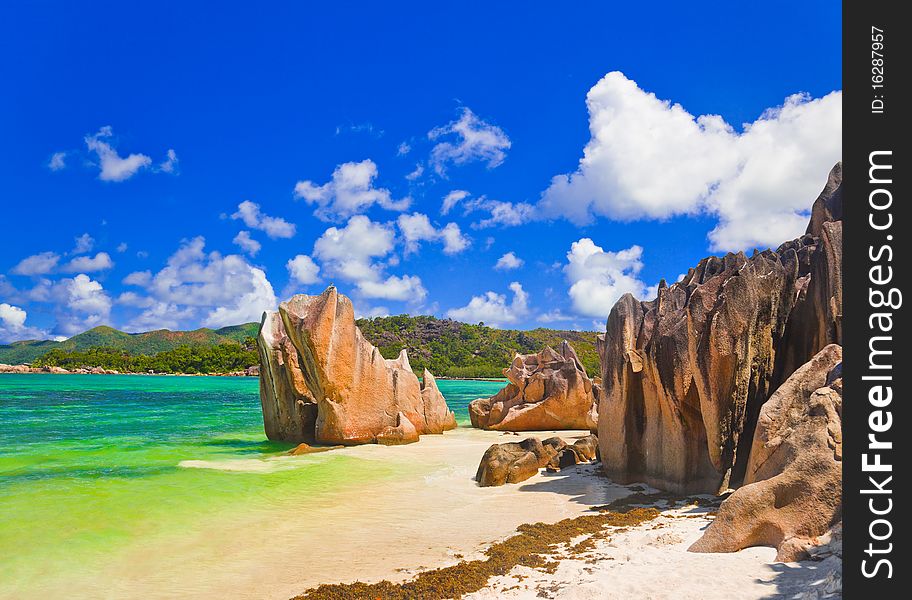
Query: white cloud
89, 264
403, 149
169, 165
303, 269
82, 303
416, 173
122, 247
247, 243
57, 161
508, 261
247, 307
468, 139
454, 241
113, 166
507, 214
138, 278
37, 264
417, 228
158, 315
407, 288
353, 252
350, 191
217, 289
492, 308
84, 243
349, 251
598, 278
134, 299
13, 327
275, 227
649, 158
451, 200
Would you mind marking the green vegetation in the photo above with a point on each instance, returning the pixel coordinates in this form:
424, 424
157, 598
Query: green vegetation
453, 349
221, 358
149, 343
445, 347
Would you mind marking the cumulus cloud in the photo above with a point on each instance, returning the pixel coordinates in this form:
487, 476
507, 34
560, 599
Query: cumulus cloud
37, 264
417, 228
246, 243
493, 309
89, 264
353, 253
403, 149
350, 191
13, 327
405, 288
81, 303
302, 269
275, 227
467, 139
508, 262
113, 166
57, 161
650, 158
452, 199
195, 284
122, 247
598, 278
454, 241
84, 243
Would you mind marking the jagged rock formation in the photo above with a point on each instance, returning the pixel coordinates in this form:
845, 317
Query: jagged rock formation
792, 487
684, 375
515, 462
549, 390
321, 381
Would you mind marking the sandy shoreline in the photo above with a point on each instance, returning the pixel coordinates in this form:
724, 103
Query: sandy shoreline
651, 562
421, 511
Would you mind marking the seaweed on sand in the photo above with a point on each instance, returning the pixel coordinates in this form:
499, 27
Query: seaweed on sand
529, 548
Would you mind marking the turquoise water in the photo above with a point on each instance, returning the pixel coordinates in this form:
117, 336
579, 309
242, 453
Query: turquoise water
92, 466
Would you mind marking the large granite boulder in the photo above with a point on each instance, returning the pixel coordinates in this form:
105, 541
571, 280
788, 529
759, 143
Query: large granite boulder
322, 382
792, 488
684, 375
546, 391
515, 462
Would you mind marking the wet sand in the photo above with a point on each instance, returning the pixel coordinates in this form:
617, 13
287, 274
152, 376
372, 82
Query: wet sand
423, 510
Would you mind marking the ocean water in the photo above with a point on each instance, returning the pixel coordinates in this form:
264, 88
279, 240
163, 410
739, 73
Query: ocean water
110, 486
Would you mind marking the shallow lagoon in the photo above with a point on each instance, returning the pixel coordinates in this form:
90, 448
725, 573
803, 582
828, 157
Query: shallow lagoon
166, 487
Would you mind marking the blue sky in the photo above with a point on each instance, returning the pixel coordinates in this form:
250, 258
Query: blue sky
594, 148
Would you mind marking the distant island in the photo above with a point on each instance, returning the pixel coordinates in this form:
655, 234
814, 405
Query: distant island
445, 347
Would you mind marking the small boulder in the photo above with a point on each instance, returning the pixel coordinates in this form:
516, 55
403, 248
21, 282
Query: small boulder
403, 433
308, 449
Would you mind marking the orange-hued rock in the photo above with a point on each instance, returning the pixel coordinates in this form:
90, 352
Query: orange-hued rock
320, 380
684, 375
402, 433
546, 391
304, 448
792, 487
515, 462
437, 416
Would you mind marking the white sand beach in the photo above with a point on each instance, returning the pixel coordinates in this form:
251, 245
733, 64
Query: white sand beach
421, 510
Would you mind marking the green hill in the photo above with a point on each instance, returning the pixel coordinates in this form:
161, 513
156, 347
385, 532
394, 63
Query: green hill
445, 347
455, 349
149, 343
